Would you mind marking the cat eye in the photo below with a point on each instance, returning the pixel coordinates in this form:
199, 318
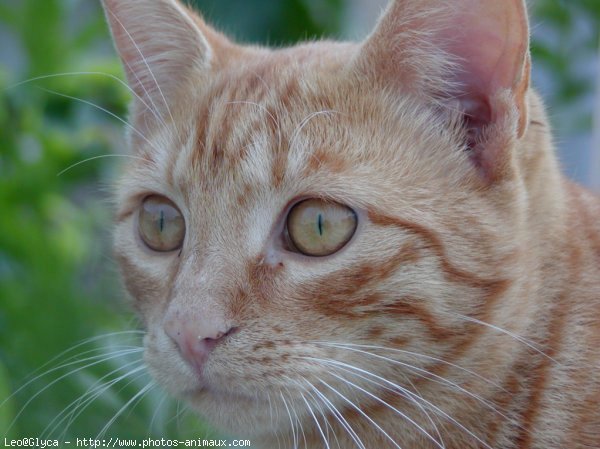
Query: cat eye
161, 224
319, 228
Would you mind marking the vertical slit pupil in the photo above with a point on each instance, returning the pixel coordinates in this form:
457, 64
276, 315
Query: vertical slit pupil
320, 224
162, 220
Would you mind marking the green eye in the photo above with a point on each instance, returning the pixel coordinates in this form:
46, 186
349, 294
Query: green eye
161, 225
319, 228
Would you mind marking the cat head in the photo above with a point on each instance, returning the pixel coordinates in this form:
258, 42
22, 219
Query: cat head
322, 223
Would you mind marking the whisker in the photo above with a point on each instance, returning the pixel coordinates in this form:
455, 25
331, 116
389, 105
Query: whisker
391, 407
95, 362
338, 416
367, 417
325, 419
270, 409
97, 157
400, 388
428, 374
405, 393
155, 414
179, 411
416, 354
294, 436
109, 75
70, 361
147, 66
315, 420
100, 392
304, 122
139, 394
272, 423
299, 422
81, 403
70, 97
65, 352
506, 332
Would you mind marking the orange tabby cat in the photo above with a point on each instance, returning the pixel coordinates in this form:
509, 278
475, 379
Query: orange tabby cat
359, 245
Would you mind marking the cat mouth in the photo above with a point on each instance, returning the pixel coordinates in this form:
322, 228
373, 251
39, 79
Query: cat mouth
210, 392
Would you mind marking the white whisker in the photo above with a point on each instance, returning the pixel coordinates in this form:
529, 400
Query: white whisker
416, 354
304, 122
315, 420
113, 355
139, 394
109, 75
65, 352
84, 401
400, 388
506, 332
325, 419
428, 375
103, 110
93, 158
155, 414
294, 436
391, 407
147, 66
338, 415
299, 422
367, 417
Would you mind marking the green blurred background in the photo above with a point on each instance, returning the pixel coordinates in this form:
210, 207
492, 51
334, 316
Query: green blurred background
58, 283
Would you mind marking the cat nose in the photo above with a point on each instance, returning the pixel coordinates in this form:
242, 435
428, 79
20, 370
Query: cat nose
196, 341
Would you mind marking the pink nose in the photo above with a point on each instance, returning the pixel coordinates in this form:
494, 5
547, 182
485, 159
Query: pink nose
195, 341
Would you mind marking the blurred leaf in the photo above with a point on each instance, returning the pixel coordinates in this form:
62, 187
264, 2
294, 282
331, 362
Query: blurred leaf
6, 410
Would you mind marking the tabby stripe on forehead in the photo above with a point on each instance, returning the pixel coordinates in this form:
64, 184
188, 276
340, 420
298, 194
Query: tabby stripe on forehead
281, 149
201, 136
174, 158
243, 94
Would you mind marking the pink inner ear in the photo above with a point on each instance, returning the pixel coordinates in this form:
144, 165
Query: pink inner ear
490, 39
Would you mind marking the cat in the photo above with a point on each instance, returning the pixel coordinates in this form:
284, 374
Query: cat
360, 245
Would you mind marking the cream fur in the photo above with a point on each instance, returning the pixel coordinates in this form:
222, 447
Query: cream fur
489, 278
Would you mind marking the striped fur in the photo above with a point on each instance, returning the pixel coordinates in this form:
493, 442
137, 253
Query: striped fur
464, 313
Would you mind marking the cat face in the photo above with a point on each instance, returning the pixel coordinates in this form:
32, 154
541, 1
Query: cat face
317, 225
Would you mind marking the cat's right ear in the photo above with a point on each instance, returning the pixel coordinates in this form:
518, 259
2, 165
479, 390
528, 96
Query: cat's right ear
471, 56
161, 44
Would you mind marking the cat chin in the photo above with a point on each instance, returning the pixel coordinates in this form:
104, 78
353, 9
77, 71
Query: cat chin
230, 413
226, 410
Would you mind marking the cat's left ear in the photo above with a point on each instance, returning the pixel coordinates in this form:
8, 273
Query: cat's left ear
471, 54
161, 44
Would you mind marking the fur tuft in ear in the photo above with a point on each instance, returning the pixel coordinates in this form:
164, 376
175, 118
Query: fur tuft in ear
160, 44
473, 55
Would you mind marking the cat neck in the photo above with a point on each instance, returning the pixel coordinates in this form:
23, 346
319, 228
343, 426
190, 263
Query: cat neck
562, 217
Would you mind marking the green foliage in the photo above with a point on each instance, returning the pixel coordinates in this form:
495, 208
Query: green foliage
571, 33
57, 282
274, 22
6, 411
